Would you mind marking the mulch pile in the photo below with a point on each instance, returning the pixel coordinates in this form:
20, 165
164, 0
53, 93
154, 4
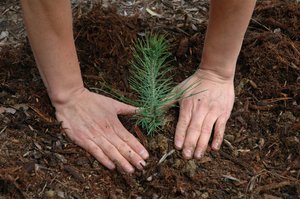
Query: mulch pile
260, 157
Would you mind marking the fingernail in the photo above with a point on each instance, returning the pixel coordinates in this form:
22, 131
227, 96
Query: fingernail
129, 169
143, 164
144, 154
217, 146
137, 110
112, 166
188, 153
198, 154
178, 144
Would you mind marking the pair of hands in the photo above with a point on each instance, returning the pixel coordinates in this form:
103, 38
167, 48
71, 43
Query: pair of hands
91, 121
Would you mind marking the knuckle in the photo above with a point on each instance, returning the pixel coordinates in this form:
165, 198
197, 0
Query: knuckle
110, 149
93, 149
183, 122
222, 123
193, 129
206, 129
226, 115
219, 136
184, 102
129, 138
201, 147
189, 144
123, 147
180, 136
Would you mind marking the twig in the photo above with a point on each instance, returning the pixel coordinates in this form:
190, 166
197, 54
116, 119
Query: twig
257, 22
140, 135
262, 108
69, 187
42, 115
231, 178
40, 194
273, 186
74, 173
244, 165
3, 130
165, 156
276, 99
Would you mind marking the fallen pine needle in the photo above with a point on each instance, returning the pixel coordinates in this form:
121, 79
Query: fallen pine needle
165, 156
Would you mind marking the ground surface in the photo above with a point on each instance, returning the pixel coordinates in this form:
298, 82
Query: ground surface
260, 156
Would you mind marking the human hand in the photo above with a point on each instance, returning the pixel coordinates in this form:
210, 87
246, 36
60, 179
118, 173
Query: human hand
90, 120
201, 112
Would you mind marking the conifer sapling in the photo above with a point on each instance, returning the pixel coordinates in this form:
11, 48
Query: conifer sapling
150, 79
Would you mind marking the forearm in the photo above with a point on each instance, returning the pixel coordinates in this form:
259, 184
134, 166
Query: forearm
49, 28
228, 21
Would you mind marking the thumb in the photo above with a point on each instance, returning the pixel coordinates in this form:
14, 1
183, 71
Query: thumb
124, 109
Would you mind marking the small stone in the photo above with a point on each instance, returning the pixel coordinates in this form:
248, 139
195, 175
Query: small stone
96, 164
149, 178
119, 191
229, 137
261, 143
288, 116
178, 163
4, 35
267, 196
50, 193
235, 153
61, 194
155, 196
10, 110
162, 144
190, 168
198, 193
61, 158
205, 195
277, 30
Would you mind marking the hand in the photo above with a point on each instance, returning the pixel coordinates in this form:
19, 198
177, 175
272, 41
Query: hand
203, 111
91, 121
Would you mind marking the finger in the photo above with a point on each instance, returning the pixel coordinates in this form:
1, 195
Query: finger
124, 109
97, 152
205, 134
193, 133
186, 107
128, 138
78, 136
112, 153
219, 132
127, 152
131, 156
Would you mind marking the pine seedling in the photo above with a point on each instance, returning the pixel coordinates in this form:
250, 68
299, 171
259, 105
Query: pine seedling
150, 79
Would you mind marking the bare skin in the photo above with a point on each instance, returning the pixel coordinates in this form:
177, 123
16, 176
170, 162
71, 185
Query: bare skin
228, 22
91, 119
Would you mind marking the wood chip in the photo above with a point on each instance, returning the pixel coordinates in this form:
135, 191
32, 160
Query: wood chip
74, 173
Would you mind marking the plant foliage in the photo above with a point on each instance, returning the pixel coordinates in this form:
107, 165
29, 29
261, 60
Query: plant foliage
150, 79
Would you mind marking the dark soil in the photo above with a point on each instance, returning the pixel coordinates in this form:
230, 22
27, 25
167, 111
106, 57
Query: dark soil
260, 156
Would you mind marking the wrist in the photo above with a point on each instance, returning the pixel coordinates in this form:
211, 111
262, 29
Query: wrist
61, 97
222, 70
212, 74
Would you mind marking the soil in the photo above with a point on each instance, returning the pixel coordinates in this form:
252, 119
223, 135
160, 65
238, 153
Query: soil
260, 156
